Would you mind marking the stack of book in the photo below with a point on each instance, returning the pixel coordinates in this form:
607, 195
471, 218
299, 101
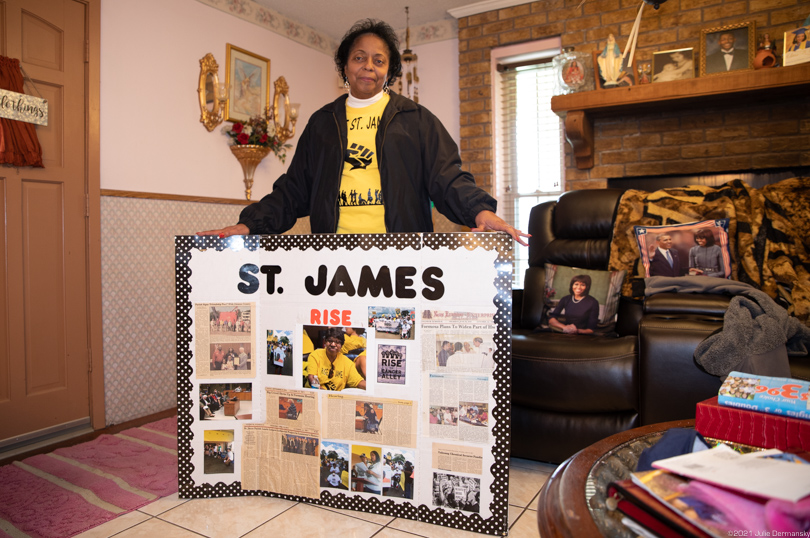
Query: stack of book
765, 412
722, 492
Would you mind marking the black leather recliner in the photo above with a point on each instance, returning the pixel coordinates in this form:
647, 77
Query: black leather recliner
569, 391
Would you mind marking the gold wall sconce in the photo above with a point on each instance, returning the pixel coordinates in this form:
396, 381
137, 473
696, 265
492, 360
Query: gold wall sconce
286, 130
207, 89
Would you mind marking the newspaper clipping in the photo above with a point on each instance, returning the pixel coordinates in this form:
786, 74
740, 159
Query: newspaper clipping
458, 458
224, 341
458, 341
379, 420
282, 454
457, 407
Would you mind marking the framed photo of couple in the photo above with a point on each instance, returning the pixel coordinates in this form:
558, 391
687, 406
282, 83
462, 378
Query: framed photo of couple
727, 48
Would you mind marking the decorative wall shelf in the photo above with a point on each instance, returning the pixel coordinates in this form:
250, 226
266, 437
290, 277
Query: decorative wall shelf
579, 109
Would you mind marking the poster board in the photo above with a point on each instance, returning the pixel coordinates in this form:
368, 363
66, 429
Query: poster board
426, 438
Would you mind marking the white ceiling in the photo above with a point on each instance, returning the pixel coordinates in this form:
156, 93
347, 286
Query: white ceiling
335, 18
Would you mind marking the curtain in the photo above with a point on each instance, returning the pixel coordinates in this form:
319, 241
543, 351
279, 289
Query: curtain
19, 145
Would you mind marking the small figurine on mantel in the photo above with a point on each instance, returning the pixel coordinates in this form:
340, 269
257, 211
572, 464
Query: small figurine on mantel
766, 57
610, 63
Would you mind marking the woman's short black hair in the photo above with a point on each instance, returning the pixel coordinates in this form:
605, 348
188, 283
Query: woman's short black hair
380, 29
582, 279
705, 234
336, 333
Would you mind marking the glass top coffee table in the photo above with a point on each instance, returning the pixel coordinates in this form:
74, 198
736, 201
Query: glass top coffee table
572, 502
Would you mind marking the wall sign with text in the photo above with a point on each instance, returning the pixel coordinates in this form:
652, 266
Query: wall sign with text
22, 107
368, 372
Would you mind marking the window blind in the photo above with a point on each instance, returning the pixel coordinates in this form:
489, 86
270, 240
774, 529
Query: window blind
530, 148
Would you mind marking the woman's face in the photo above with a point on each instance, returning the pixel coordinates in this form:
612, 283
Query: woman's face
578, 288
367, 67
677, 57
701, 241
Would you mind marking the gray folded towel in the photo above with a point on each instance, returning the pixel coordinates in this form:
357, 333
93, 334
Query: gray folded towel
757, 334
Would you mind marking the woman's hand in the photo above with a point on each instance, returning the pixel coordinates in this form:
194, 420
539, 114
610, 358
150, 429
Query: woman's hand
238, 229
487, 220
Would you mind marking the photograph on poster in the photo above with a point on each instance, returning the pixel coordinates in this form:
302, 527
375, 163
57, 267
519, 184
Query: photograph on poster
218, 451
391, 364
367, 472
223, 340
279, 352
290, 408
398, 471
338, 360
368, 417
457, 492
465, 351
473, 413
335, 465
299, 444
392, 323
229, 320
443, 415
226, 401
235, 357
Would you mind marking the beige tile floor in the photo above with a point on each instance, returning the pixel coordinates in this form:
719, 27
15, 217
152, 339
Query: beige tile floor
256, 517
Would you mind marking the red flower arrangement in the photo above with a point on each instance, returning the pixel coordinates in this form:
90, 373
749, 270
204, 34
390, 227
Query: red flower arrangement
257, 131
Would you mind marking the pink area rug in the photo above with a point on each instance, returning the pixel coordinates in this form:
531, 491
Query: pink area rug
74, 489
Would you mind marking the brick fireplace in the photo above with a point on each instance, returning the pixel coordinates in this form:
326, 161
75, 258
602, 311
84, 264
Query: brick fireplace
768, 134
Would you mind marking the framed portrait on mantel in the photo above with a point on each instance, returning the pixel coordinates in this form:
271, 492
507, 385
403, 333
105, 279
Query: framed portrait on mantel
727, 48
248, 78
797, 49
673, 65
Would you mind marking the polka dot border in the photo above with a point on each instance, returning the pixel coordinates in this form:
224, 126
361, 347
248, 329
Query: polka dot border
497, 524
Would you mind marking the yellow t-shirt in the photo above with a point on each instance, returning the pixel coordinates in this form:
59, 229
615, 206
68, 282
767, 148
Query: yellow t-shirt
345, 374
352, 341
360, 197
307, 344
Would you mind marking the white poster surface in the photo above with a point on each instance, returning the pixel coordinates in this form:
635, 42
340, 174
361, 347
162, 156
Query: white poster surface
358, 371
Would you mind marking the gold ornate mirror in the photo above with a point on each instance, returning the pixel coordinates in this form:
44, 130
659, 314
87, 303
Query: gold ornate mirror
210, 111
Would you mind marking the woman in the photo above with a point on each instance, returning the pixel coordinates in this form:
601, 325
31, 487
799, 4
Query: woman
581, 310
372, 423
800, 41
706, 258
328, 369
373, 474
406, 163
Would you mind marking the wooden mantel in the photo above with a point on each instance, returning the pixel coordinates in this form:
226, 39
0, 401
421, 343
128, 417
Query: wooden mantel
579, 109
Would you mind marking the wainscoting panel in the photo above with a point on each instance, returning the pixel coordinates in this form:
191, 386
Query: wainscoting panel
138, 301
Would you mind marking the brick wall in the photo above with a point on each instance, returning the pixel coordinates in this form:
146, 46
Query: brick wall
725, 138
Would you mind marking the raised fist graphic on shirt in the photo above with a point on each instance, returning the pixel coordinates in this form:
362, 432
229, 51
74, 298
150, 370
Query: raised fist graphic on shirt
358, 156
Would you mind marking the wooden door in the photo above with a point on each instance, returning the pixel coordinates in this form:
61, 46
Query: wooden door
44, 328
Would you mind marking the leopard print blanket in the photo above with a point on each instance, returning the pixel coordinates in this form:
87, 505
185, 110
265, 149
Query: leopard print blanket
769, 232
